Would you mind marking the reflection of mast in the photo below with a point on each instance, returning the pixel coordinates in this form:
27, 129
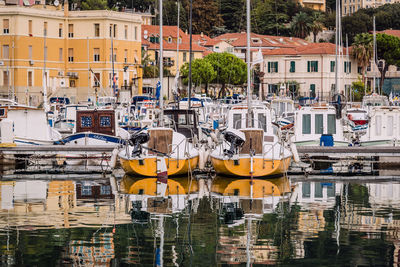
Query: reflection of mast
160, 250
248, 252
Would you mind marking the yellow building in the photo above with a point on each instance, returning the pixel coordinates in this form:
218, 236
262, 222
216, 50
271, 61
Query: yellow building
319, 5
69, 52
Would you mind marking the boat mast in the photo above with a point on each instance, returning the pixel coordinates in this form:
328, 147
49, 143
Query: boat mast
161, 64
45, 105
337, 44
190, 53
248, 63
374, 56
177, 42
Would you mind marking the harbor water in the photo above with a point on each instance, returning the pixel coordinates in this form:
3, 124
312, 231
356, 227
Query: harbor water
52, 220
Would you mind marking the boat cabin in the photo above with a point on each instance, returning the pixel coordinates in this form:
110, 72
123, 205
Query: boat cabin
96, 121
375, 100
312, 122
183, 121
384, 124
237, 118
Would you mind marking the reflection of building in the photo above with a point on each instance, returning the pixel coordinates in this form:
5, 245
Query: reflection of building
28, 204
98, 252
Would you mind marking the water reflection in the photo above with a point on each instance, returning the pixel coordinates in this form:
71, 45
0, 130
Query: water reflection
199, 222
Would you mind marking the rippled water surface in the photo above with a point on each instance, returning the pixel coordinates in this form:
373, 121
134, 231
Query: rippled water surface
51, 221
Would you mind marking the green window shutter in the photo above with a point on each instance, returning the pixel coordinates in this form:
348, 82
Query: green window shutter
308, 66
269, 66
316, 66
276, 66
292, 66
349, 67
332, 66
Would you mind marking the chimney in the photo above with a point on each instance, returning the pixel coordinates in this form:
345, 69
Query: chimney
66, 8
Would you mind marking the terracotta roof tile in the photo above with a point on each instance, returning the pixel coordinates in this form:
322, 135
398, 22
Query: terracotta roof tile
310, 49
391, 32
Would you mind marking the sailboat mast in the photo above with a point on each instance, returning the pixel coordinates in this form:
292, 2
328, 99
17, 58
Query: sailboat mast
248, 63
161, 64
190, 53
374, 56
337, 46
177, 41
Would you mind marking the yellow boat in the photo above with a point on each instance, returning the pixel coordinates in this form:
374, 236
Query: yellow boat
163, 144
253, 151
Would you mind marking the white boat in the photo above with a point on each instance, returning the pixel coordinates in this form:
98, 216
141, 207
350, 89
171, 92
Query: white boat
67, 118
30, 125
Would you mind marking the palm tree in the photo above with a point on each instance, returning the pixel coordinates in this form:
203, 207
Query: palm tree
301, 25
317, 24
362, 51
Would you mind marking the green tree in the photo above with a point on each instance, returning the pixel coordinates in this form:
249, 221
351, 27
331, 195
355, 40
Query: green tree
229, 68
94, 5
358, 90
317, 24
362, 51
233, 14
301, 25
205, 15
388, 50
357, 23
202, 72
150, 70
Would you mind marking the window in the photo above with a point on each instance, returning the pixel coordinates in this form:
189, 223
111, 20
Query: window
237, 121
30, 77
182, 119
6, 52
97, 79
30, 52
105, 121
96, 54
135, 32
110, 30
126, 55
86, 190
169, 40
273, 67
389, 125
115, 54
312, 90
306, 189
319, 123
70, 30
184, 57
60, 54
30, 27
331, 124
378, 125
70, 55
126, 32
115, 30
6, 26
359, 70
262, 121
45, 53
60, 30
318, 190
331, 190
306, 124
292, 66
105, 190
347, 67
333, 66
5, 78
45, 28
96, 30
312, 66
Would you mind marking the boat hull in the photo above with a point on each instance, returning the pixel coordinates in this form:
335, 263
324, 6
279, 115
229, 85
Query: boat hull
262, 167
148, 166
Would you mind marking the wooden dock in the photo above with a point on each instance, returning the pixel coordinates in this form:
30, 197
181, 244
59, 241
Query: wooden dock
349, 151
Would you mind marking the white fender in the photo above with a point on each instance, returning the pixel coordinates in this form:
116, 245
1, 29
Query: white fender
202, 161
293, 148
114, 155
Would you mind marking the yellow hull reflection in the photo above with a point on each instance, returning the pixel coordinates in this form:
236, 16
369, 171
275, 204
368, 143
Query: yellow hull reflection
241, 187
148, 166
261, 167
148, 186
